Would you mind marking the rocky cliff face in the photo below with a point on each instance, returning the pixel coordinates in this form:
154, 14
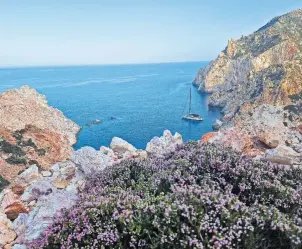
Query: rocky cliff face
257, 80
31, 132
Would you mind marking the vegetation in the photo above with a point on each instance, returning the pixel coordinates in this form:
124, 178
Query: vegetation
197, 197
3, 183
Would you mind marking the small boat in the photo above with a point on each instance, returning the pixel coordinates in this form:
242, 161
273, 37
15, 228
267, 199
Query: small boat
192, 116
95, 122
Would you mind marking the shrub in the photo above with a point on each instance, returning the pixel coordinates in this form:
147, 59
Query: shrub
7, 147
3, 183
16, 160
197, 197
41, 152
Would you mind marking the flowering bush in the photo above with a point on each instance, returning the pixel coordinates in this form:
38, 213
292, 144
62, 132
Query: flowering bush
196, 197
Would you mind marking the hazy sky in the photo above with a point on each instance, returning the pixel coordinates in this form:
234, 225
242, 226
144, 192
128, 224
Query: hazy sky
47, 32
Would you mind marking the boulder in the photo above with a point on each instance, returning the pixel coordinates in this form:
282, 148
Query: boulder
7, 235
90, 160
28, 176
30, 226
159, 146
12, 205
40, 188
283, 154
62, 173
121, 146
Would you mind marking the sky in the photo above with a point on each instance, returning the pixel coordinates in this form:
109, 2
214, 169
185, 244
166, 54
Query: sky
72, 32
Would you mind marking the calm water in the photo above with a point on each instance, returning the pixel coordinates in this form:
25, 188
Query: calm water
145, 99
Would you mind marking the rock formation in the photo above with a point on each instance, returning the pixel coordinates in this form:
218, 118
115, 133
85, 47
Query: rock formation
35, 196
257, 80
32, 132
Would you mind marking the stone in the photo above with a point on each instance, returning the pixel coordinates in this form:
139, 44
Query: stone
60, 183
12, 205
121, 146
46, 173
30, 226
299, 128
18, 189
90, 160
283, 154
206, 137
28, 176
7, 235
158, 146
40, 188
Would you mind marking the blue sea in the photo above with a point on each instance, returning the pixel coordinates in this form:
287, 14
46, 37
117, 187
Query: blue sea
143, 99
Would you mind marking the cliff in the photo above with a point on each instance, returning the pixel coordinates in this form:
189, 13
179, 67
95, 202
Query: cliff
257, 80
32, 132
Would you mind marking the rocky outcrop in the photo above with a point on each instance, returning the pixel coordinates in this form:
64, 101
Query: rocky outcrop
161, 145
32, 132
257, 80
39, 195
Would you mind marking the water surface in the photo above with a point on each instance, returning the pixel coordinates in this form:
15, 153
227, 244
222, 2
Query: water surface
145, 99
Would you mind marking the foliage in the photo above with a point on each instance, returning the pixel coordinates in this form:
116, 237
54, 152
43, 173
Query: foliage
197, 197
7, 147
3, 183
16, 160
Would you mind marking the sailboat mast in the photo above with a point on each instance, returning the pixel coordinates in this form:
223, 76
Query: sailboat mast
190, 102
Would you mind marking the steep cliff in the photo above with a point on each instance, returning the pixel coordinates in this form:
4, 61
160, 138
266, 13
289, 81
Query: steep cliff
257, 80
32, 132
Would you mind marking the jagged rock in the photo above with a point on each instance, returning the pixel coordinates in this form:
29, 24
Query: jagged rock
121, 146
28, 176
39, 188
283, 155
257, 80
12, 205
89, 160
46, 173
46, 136
30, 226
165, 144
7, 235
62, 173
217, 125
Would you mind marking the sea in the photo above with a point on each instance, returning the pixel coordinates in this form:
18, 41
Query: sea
133, 102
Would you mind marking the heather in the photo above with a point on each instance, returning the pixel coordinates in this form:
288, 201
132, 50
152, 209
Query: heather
196, 197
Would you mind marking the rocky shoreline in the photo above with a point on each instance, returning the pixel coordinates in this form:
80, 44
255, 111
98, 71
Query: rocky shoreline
257, 81
34, 195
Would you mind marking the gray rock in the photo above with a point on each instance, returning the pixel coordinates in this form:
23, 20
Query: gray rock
30, 226
121, 146
18, 246
39, 188
159, 146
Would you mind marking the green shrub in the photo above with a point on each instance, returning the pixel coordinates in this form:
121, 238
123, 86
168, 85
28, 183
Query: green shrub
3, 183
16, 160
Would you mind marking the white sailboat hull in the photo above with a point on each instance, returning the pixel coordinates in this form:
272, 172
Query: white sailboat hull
193, 117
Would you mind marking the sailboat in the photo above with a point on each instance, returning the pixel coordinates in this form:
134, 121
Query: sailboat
192, 116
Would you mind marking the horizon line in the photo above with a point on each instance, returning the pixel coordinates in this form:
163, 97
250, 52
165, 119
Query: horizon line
89, 65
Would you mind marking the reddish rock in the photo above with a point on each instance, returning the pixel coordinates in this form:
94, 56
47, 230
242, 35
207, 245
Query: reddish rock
12, 205
206, 137
299, 128
18, 189
7, 235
